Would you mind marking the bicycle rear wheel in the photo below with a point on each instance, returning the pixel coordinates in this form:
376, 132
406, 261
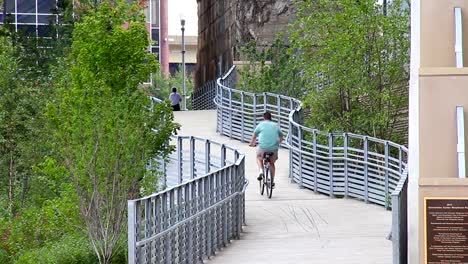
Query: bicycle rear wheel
268, 183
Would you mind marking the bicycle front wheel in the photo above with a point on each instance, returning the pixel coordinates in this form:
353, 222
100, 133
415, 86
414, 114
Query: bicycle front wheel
268, 183
262, 184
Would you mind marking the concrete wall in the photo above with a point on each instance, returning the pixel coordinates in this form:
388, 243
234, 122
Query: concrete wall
440, 88
438, 32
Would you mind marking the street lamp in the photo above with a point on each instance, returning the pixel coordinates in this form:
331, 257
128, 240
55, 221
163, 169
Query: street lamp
184, 101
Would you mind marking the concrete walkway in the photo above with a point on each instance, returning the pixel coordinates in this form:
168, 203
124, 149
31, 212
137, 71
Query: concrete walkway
296, 225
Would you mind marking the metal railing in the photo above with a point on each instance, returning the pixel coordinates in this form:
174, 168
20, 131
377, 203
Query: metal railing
335, 164
200, 214
202, 98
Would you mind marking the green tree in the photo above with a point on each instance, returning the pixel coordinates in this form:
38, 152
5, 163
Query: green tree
271, 69
103, 122
355, 58
17, 113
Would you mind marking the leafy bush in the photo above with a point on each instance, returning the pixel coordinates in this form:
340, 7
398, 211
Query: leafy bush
71, 249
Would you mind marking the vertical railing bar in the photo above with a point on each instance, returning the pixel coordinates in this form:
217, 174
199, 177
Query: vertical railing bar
346, 180
207, 156
315, 160
157, 224
400, 160
148, 209
230, 113
132, 234
221, 130
366, 176
330, 162
223, 155
290, 136
387, 191
242, 116
254, 110
301, 180
278, 105
179, 210
179, 160
192, 158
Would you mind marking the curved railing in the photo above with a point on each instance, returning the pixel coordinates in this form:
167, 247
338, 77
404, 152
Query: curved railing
335, 164
201, 211
202, 97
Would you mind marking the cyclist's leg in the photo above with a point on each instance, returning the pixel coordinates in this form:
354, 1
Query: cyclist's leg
259, 158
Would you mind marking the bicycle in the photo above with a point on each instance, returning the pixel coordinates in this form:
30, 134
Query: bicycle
267, 181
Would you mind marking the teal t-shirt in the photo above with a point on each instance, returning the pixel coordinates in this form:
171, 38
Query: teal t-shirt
268, 134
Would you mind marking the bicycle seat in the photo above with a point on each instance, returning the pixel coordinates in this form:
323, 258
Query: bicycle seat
267, 155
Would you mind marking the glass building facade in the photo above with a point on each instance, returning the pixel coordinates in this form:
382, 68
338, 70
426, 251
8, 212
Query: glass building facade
35, 17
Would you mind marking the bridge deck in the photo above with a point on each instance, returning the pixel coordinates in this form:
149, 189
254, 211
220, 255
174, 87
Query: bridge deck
296, 225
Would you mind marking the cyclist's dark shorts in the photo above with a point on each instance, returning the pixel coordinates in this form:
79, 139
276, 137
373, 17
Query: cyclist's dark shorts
274, 157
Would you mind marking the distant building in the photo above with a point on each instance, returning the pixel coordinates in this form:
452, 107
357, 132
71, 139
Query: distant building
175, 53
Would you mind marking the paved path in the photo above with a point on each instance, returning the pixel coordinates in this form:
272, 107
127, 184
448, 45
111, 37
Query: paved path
296, 225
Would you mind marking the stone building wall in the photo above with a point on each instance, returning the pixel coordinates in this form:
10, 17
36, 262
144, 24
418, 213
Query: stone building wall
225, 25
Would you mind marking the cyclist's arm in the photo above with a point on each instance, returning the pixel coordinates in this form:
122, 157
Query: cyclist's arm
252, 141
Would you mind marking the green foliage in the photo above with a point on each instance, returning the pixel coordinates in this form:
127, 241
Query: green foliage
162, 86
71, 249
18, 120
102, 121
362, 56
54, 214
270, 70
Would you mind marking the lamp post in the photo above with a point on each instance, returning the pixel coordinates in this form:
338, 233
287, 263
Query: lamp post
184, 101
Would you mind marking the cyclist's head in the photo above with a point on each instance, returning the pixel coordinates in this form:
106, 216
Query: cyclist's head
267, 116
174, 90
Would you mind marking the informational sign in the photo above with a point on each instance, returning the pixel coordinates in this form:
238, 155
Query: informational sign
446, 230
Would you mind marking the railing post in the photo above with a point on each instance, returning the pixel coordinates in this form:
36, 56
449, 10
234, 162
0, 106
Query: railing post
242, 116
179, 160
400, 160
230, 113
314, 146
221, 129
366, 175
224, 216
346, 142
395, 233
290, 136
223, 155
387, 192
254, 110
132, 234
192, 158
301, 183
265, 102
278, 106
330, 161
207, 156
188, 227
148, 210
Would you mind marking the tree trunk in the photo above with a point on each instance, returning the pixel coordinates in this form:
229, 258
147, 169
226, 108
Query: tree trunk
11, 185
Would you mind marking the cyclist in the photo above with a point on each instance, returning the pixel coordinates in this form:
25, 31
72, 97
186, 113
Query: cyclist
269, 138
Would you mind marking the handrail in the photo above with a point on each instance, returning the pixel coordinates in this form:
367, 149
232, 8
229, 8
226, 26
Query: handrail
336, 164
200, 213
